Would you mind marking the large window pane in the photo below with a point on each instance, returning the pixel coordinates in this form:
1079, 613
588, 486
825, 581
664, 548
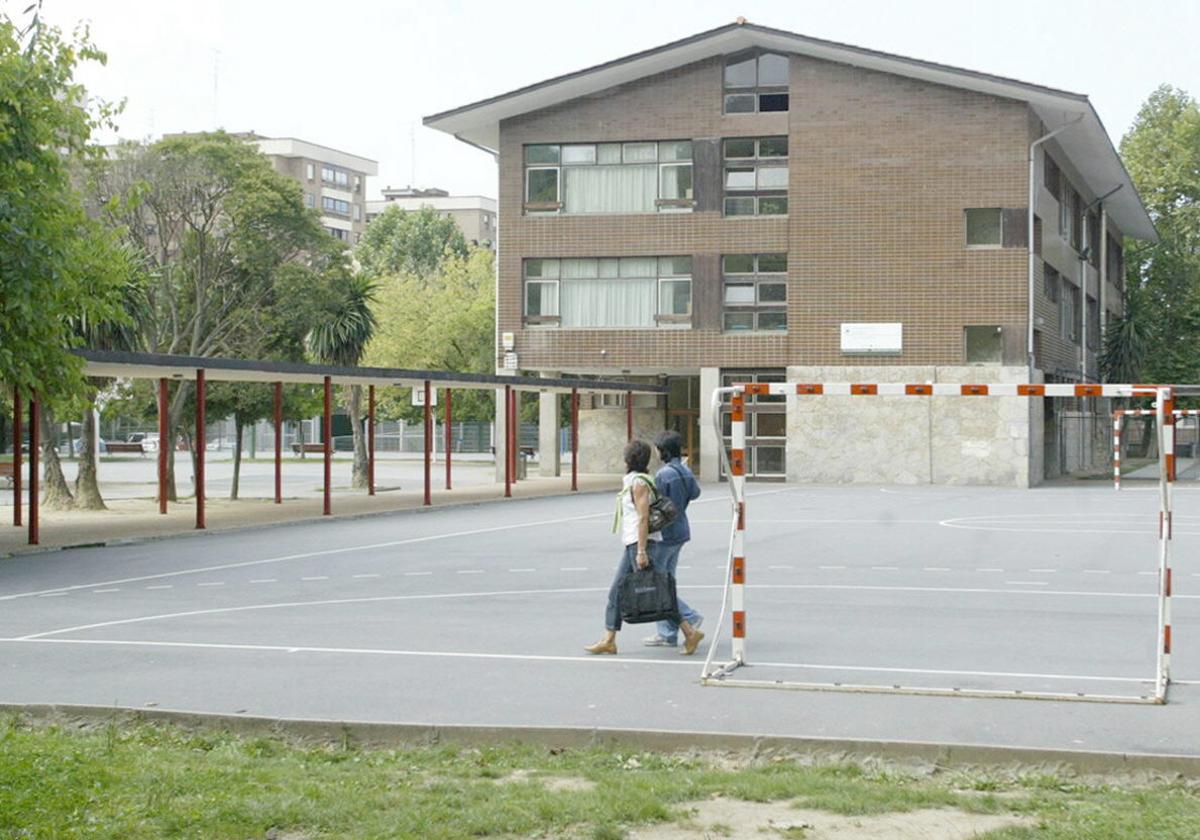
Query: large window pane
773, 147
768, 460
676, 182
681, 150
541, 154
610, 267
772, 69
541, 268
772, 206
740, 178
580, 268
772, 102
772, 177
739, 207
541, 299
772, 292
607, 303
640, 152
739, 148
639, 267
739, 103
771, 263
738, 263
579, 154
675, 297
610, 189
983, 227
674, 266
770, 424
543, 186
741, 74
736, 293
984, 345
772, 320
608, 153
738, 321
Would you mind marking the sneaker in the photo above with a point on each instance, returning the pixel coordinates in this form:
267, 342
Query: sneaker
659, 641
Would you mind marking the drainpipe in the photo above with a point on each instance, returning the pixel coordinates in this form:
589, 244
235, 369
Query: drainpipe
1085, 242
1103, 273
1032, 198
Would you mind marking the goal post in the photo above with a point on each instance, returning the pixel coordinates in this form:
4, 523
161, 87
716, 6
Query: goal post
1119, 416
729, 673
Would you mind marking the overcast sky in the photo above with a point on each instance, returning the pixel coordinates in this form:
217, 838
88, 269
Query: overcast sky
358, 75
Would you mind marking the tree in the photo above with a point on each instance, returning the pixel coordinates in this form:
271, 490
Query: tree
404, 242
47, 241
1158, 339
341, 338
215, 224
444, 322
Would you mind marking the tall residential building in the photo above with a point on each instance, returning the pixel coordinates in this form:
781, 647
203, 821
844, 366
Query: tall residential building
750, 204
334, 182
475, 215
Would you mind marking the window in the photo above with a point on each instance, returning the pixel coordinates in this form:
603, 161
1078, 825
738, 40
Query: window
1068, 216
1093, 327
1116, 263
756, 176
984, 345
311, 171
984, 228
756, 83
337, 177
310, 200
1051, 281
338, 233
335, 205
629, 292
1053, 178
766, 425
754, 293
1093, 240
592, 178
357, 184
356, 212
1069, 314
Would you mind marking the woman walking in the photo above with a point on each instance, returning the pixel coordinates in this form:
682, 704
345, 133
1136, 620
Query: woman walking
641, 547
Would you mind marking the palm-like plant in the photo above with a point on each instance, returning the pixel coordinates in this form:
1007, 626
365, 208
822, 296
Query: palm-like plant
341, 339
1126, 340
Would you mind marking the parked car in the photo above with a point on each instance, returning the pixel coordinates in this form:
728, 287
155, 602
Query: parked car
78, 447
148, 440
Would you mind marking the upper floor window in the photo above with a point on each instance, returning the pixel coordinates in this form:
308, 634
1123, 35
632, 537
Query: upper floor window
755, 292
310, 171
1068, 216
629, 292
609, 177
337, 177
335, 205
1052, 281
756, 176
756, 83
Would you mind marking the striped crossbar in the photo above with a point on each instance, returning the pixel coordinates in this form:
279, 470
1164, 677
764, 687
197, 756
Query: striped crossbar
944, 389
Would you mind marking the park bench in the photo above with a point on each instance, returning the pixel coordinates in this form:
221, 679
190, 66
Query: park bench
124, 447
317, 447
6, 471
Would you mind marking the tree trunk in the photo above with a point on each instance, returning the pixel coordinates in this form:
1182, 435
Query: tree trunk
55, 493
300, 437
359, 475
237, 457
87, 486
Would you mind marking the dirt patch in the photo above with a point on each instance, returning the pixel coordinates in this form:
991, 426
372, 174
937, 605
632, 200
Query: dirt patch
737, 820
554, 784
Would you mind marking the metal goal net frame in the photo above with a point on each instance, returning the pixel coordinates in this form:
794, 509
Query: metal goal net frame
1119, 415
734, 462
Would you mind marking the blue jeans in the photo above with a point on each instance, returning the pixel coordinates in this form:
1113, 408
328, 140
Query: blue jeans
612, 612
668, 559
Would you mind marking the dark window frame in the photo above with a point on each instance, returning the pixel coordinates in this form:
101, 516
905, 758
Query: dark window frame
756, 278
774, 195
759, 94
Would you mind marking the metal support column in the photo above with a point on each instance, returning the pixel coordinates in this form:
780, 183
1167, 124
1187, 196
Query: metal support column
35, 445
164, 445
449, 420
428, 446
370, 440
278, 443
328, 448
200, 450
574, 438
628, 416
507, 436
18, 501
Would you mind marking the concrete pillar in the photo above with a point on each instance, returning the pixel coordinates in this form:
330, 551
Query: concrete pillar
710, 458
549, 421
500, 427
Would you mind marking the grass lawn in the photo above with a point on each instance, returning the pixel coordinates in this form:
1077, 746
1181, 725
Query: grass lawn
153, 781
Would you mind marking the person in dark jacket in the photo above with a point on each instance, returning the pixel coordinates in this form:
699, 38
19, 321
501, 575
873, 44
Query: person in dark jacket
677, 482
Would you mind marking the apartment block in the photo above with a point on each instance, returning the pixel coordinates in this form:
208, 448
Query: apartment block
750, 204
475, 215
334, 182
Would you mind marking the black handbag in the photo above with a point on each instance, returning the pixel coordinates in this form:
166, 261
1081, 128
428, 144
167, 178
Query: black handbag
648, 595
662, 510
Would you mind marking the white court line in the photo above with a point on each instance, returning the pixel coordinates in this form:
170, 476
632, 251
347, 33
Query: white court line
989, 570
52, 595
367, 576
522, 570
161, 586
934, 569
323, 553
314, 577
573, 569
525, 657
831, 568
523, 592
265, 580
417, 574
1043, 571
886, 568
470, 571
103, 591
212, 583
1027, 582
1096, 572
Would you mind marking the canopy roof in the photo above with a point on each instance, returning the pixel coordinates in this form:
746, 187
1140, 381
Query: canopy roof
163, 366
1087, 144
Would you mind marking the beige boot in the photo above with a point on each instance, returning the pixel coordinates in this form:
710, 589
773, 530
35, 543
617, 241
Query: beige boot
602, 646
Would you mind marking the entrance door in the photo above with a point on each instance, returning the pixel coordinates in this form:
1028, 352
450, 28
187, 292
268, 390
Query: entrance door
683, 415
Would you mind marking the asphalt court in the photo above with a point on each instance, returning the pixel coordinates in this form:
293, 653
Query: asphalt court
478, 615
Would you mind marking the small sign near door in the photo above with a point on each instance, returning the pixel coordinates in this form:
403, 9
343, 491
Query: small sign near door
418, 396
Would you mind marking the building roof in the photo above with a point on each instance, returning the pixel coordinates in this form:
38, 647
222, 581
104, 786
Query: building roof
447, 203
294, 147
1086, 144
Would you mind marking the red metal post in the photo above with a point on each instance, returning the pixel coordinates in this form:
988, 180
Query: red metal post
35, 445
428, 446
574, 438
278, 443
449, 436
164, 446
629, 415
200, 449
328, 425
370, 440
514, 435
507, 446
18, 501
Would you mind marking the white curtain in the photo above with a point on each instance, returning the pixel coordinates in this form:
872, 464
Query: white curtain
596, 302
610, 189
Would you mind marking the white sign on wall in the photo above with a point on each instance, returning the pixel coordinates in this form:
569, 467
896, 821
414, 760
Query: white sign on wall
872, 338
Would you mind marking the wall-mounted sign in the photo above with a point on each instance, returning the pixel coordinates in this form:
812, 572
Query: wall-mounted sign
872, 338
418, 395
510, 361
508, 341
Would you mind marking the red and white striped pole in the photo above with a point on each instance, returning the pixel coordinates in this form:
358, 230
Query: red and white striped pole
1164, 407
737, 480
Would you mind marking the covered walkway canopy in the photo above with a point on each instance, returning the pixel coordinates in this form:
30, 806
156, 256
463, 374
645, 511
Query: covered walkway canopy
199, 370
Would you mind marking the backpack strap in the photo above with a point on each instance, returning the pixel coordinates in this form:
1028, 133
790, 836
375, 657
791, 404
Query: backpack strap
620, 513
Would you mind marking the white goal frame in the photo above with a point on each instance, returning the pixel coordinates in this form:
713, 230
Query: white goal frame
1119, 414
734, 596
